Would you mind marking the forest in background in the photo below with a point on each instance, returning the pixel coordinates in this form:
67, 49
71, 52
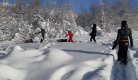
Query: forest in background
24, 17
108, 15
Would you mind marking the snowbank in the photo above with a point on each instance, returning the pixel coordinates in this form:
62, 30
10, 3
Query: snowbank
80, 32
57, 55
99, 31
20, 61
9, 73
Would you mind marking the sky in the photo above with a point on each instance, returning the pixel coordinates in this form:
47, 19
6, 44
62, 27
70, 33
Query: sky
77, 3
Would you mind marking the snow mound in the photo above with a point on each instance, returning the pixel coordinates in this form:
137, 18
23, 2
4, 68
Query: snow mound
10, 73
57, 55
99, 31
17, 48
80, 31
15, 66
20, 58
86, 70
20, 52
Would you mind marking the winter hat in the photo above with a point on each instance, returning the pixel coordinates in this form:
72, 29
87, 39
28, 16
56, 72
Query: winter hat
94, 26
124, 24
68, 30
41, 28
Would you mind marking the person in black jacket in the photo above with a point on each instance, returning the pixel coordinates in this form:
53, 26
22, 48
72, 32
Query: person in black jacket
42, 33
122, 39
93, 33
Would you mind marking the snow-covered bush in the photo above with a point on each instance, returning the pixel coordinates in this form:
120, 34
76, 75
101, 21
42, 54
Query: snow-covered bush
80, 31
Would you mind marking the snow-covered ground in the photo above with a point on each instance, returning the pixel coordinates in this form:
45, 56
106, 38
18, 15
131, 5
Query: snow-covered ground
82, 60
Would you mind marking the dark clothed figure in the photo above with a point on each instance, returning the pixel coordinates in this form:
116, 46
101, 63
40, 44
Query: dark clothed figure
42, 33
123, 41
70, 36
122, 53
93, 33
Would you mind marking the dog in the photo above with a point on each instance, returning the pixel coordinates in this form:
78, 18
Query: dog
29, 41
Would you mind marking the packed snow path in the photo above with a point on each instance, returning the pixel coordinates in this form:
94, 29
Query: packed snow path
82, 60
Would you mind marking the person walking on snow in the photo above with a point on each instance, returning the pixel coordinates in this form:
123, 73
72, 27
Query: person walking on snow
93, 33
42, 33
70, 36
122, 39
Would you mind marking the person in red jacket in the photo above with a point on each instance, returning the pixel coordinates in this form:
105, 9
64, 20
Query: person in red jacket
70, 36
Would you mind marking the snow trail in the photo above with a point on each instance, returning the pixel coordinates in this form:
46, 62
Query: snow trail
118, 69
132, 65
126, 72
118, 72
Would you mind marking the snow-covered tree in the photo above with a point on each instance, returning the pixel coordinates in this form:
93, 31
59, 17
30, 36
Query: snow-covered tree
108, 15
24, 17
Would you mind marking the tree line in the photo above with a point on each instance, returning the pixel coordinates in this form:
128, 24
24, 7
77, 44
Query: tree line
108, 15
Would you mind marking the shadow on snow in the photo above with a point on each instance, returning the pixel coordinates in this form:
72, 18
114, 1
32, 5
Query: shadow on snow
89, 52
